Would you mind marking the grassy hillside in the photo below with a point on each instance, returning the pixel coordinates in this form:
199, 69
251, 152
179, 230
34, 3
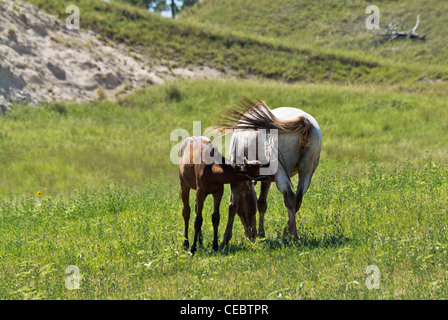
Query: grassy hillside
183, 41
335, 24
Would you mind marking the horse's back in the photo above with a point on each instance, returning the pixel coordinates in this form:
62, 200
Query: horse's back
288, 113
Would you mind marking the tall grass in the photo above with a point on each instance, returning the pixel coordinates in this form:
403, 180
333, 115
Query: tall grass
127, 244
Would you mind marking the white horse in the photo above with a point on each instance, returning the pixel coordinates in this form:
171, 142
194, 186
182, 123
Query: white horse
299, 145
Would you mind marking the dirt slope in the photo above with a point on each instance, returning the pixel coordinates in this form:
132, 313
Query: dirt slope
40, 59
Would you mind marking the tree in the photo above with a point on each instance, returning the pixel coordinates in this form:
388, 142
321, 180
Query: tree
162, 5
147, 4
188, 3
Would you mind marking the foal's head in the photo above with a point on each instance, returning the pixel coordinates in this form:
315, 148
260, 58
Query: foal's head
251, 168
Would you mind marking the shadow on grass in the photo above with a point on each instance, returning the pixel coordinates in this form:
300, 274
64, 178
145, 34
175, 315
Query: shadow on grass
305, 241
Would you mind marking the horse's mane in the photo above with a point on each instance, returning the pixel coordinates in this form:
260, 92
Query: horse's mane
256, 115
250, 115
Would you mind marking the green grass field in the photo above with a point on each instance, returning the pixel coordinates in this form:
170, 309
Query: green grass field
110, 200
92, 185
128, 244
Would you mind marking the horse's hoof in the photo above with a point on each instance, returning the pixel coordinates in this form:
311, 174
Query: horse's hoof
186, 244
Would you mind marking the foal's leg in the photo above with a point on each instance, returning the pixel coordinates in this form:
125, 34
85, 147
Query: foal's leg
217, 196
200, 198
262, 206
233, 206
283, 184
185, 194
200, 238
247, 210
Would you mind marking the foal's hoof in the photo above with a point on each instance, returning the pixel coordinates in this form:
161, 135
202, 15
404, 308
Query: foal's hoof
261, 234
215, 247
186, 244
288, 238
223, 245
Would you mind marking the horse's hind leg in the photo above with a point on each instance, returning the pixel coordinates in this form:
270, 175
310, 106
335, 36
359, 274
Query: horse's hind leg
283, 184
185, 194
307, 165
217, 196
262, 206
302, 187
308, 162
200, 198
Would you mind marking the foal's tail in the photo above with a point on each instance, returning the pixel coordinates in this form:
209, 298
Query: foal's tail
183, 146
